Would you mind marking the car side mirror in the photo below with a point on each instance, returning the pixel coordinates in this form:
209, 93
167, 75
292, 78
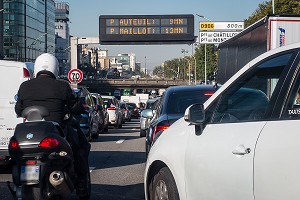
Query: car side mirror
195, 115
147, 113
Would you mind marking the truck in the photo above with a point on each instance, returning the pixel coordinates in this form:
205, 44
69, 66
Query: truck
268, 33
12, 74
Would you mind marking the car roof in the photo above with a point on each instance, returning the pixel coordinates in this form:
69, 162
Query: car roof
191, 88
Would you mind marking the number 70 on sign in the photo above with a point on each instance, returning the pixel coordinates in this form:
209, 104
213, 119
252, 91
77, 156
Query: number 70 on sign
75, 76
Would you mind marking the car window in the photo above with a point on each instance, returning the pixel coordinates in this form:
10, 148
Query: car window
292, 109
248, 98
179, 101
107, 102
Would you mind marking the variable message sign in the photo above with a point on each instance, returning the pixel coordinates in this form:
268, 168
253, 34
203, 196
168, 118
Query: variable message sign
146, 29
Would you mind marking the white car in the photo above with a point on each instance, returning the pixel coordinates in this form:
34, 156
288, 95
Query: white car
243, 143
115, 115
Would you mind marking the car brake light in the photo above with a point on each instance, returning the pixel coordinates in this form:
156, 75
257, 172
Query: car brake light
208, 93
26, 73
31, 162
48, 143
14, 144
125, 110
111, 108
159, 128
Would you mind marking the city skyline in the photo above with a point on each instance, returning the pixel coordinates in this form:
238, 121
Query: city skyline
84, 18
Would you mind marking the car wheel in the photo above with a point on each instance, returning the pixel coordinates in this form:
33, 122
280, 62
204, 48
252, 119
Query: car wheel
142, 133
163, 186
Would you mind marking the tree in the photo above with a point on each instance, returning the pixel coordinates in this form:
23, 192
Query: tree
158, 71
281, 7
211, 60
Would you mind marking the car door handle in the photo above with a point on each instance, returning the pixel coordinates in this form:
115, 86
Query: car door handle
241, 150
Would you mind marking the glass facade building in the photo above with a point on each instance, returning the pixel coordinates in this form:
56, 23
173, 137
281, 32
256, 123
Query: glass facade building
62, 36
28, 28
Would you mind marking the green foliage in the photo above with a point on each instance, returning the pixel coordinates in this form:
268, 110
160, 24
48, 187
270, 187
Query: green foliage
281, 7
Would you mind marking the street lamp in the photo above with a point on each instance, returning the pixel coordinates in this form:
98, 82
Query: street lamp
205, 63
189, 70
183, 51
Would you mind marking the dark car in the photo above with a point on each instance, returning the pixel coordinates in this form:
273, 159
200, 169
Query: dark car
89, 121
134, 110
126, 111
103, 115
172, 105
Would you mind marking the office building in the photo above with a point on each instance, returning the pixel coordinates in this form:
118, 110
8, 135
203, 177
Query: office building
26, 29
62, 36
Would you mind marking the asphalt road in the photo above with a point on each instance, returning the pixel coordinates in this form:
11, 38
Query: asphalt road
117, 163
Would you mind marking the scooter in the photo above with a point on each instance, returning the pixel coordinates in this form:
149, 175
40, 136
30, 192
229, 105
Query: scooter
43, 162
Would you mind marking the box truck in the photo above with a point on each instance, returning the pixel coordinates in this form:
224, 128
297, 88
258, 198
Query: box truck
12, 74
270, 32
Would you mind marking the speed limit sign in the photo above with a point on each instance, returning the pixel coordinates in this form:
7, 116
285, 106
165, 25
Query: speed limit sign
75, 76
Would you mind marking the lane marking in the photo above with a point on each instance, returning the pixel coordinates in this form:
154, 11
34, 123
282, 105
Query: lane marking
120, 141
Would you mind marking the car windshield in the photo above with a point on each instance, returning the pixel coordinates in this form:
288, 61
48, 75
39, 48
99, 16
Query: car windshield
179, 101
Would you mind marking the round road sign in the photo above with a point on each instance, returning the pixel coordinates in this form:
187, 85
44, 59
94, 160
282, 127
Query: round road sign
75, 76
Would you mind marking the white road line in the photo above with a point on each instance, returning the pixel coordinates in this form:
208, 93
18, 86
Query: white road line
120, 141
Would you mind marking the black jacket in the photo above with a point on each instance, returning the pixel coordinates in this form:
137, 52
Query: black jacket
55, 95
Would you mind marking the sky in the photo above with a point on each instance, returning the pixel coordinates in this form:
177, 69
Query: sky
84, 18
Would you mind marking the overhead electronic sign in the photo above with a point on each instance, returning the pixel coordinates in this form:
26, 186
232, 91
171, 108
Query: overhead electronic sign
146, 29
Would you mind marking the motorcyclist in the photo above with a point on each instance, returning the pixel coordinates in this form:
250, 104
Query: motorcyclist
56, 95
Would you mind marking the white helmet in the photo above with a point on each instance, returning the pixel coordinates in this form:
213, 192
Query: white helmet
46, 62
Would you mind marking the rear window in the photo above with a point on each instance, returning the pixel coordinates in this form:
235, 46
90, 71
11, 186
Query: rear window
107, 102
179, 101
132, 105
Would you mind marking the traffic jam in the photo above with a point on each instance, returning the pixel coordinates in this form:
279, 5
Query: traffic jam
232, 135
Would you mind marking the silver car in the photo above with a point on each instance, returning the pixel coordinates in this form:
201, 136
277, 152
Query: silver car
147, 115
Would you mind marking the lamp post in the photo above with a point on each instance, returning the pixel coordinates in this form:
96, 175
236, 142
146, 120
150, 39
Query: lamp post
189, 70
184, 51
205, 63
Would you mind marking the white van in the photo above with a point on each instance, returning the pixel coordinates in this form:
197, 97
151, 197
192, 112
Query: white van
12, 74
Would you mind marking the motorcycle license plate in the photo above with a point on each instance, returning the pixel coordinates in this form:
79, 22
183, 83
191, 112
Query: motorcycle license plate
30, 173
